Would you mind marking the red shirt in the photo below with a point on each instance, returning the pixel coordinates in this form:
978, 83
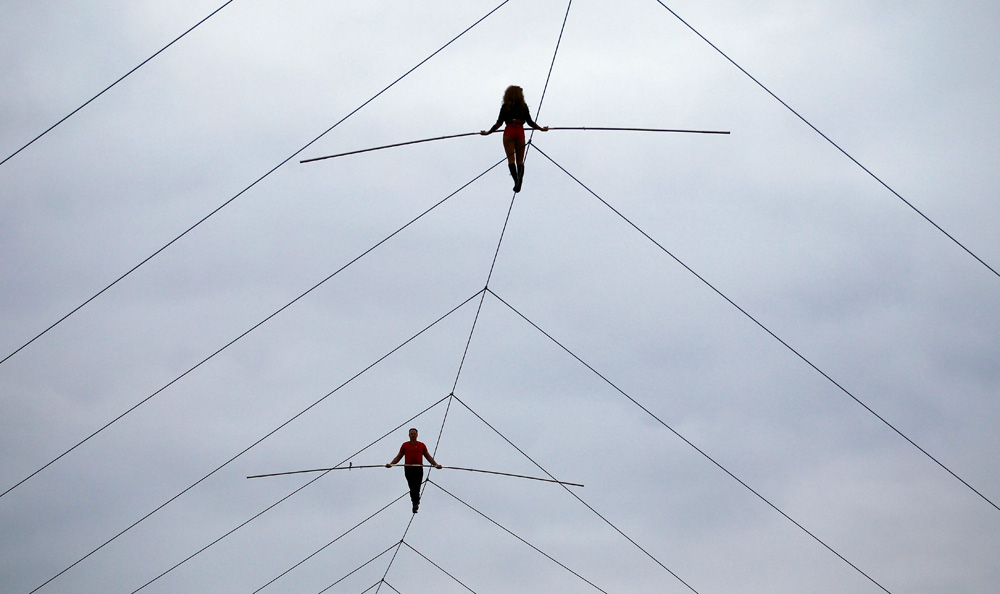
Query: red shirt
413, 452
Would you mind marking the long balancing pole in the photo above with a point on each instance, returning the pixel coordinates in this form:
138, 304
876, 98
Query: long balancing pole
584, 128
352, 467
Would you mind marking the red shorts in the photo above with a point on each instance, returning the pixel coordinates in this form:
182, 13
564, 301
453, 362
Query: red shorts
515, 131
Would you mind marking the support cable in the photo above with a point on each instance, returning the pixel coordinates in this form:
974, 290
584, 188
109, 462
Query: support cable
272, 432
552, 64
533, 547
689, 443
396, 552
252, 328
435, 565
835, 145
479, 307
123, 77
775, 336
496, 254
577, 497
322, 548
363, 565
243, 191
390, 586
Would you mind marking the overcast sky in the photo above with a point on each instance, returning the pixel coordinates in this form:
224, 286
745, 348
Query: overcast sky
692, 326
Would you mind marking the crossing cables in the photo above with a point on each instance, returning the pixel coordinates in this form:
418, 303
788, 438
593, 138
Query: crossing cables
246, 189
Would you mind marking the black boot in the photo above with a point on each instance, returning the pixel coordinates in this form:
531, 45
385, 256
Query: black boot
520, 177
513, 174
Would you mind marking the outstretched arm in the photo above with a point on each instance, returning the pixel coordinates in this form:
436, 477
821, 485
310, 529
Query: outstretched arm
431, 460
495, 126
491, 130
535, 126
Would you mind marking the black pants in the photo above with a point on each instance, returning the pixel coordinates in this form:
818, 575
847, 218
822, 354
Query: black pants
414, 476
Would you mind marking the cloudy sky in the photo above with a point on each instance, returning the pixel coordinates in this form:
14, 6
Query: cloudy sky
771, 373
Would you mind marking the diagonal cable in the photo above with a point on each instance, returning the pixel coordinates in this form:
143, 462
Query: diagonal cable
396, 552
244, 190
775, 336
441, 569
835, 145
123, 77
245, 333
393, 545
322, 548
686, 441
505, 529
577, 497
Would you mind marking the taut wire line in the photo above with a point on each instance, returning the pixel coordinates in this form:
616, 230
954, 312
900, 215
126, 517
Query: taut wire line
246, 189
834, 144
575, 496
123, 77
324, 547
409, 546
359, 568
505, 529
472, 330
496, 254
551, 128
688, 442
776, 337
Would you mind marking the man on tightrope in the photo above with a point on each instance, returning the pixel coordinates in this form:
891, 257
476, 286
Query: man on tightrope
414, 452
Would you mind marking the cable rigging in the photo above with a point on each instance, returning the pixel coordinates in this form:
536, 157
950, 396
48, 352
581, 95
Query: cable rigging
409, 546
482, 295
472, 330
505, 529
244, 190
251, 329
232, 459
840, 387
688, 442
577, 497
322, 548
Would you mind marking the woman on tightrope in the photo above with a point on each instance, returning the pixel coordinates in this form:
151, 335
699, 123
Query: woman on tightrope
514, 113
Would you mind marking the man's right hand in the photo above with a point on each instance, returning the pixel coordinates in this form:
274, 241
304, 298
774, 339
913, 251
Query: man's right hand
388, 465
